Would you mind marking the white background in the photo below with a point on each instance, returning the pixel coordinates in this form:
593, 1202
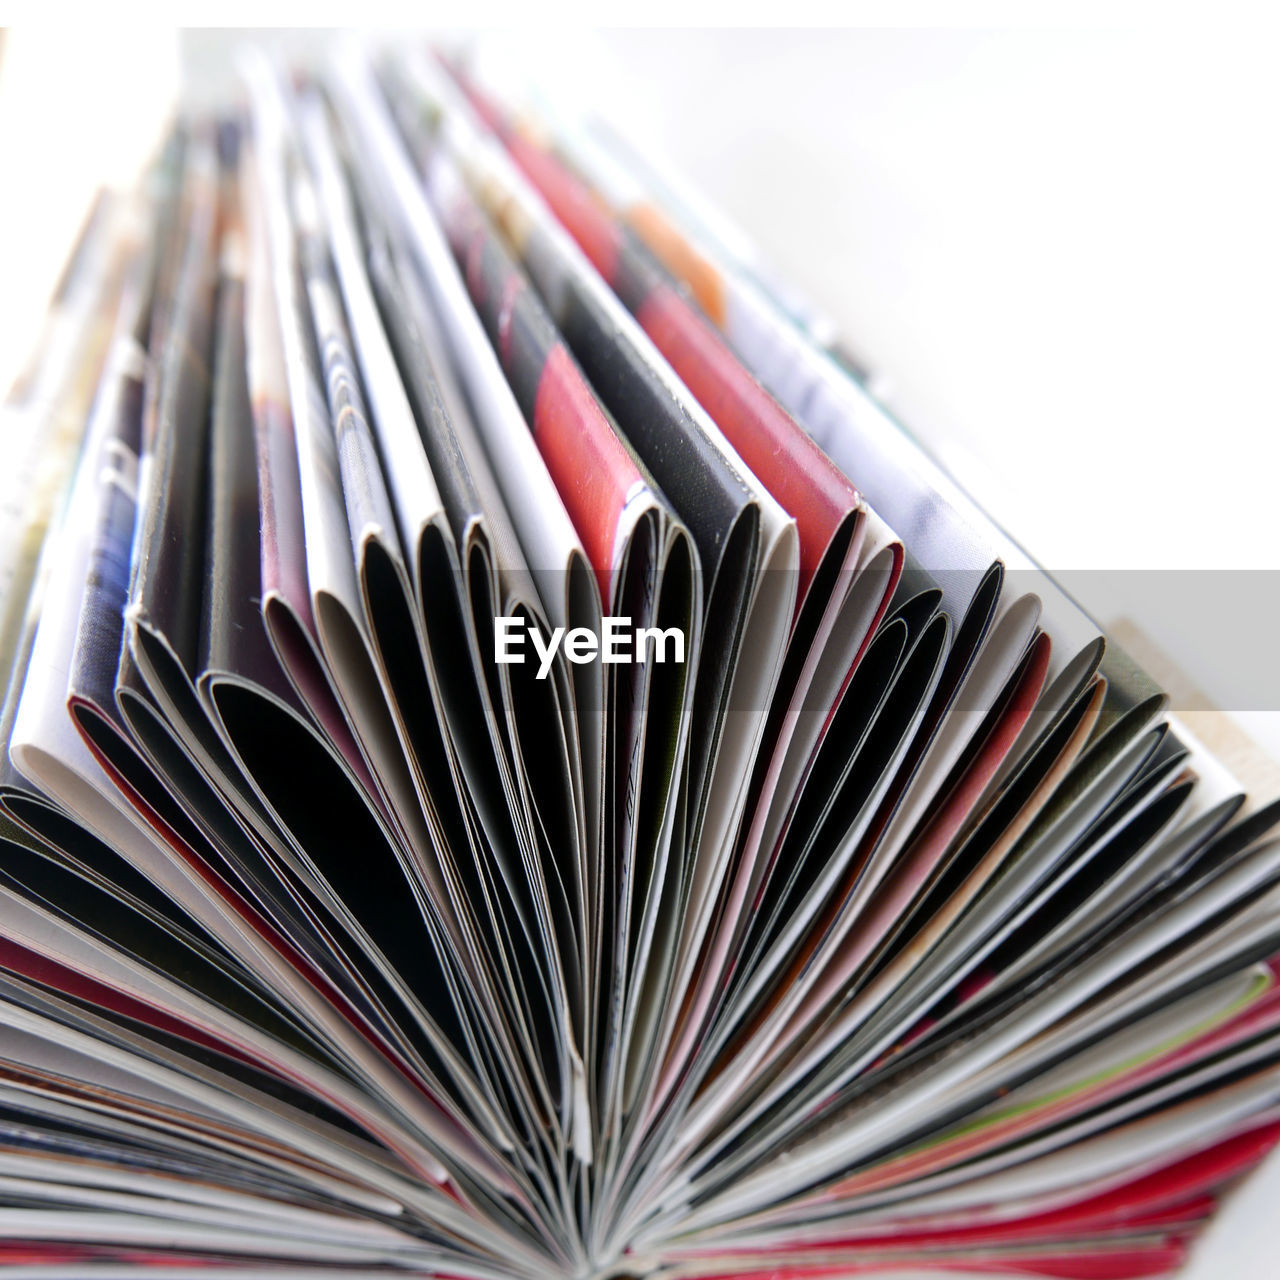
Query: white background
1061, 247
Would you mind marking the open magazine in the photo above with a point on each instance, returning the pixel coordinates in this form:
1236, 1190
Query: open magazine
515, 766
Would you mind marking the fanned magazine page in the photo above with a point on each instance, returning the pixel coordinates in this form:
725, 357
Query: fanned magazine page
516, 766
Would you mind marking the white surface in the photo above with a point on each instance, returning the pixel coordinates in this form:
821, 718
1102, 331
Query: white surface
1058, 247
74, 114
1061, 247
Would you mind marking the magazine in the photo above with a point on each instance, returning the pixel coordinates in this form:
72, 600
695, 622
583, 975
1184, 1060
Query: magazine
516, 766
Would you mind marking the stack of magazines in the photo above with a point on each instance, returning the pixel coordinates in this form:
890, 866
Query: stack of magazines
515, 766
